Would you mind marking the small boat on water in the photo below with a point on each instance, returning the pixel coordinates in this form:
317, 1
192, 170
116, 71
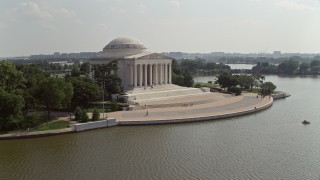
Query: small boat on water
305, 122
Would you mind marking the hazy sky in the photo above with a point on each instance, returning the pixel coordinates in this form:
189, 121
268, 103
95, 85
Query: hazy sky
47, 26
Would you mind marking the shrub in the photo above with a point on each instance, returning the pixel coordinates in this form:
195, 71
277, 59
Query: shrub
235, 90
95, 115
114, 106
78, 114
84, 116
81, 115
198, 85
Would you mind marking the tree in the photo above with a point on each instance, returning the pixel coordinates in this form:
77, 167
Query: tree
267, 88
75, 72
175, 67
85, 68
257, 80
10, 109
177, 79
55, 92
33, 75
315, 63
95, 115
303, 68
265, 68
315, 67
245, 81
11, 80
315, 70
188, 79
106, 75
288, 66
85, 90
227, 80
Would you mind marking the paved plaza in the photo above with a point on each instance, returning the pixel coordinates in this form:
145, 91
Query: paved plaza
209, 105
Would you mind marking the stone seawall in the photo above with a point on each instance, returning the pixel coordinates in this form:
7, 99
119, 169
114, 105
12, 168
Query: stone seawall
73, 129
280, 96
94, 125
35, 134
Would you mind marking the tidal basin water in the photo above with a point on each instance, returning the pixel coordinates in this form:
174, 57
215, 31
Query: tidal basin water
272, 144
241, 66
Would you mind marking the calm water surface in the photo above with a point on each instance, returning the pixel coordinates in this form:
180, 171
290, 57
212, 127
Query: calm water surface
272, 144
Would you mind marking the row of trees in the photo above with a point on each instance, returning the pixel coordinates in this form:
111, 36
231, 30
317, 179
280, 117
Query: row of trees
234, 83
27, 87
289, 67
201, 67
181, 76
255, 60
183, 71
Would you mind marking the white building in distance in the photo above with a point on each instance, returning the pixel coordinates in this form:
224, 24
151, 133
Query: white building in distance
137, 66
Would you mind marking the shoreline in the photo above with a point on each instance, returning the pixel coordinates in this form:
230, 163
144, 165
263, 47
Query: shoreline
114, 121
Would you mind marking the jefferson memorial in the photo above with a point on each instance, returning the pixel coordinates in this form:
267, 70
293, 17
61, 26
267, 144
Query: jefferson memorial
138, 67
145, 76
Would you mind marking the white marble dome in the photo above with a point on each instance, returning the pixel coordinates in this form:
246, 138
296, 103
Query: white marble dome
124, 43
122, 47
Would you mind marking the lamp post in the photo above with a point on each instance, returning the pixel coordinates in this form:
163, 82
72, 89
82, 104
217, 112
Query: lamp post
102, 88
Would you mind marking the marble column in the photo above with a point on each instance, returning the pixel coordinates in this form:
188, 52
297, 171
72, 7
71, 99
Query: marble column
161, 74
131, 75
135, 75
165, 73
150, 74
156, 74
170, 75
145, 75
140, 75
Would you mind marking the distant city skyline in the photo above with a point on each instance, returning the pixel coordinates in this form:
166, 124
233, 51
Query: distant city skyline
248, 26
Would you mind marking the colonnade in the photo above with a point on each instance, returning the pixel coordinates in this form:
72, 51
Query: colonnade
149, 74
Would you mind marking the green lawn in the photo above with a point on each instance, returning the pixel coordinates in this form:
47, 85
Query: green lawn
60, 124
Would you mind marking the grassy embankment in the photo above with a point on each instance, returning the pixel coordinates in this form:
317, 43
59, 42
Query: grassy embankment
59, 124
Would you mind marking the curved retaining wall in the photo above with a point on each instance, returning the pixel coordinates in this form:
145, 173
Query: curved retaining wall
73, 129
112, 122
280, 96
94, 125
195, 119
36, 134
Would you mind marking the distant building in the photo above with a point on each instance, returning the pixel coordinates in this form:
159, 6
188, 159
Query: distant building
56, 54
276, 52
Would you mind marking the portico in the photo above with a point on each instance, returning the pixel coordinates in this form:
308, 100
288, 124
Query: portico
149, 74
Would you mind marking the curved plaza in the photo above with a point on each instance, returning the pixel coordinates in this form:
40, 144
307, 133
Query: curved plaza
188, 109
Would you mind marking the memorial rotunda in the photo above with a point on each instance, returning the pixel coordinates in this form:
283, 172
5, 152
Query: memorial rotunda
137, 67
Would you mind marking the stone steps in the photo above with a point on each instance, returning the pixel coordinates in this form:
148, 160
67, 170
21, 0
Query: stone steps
164, 94
191, 102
